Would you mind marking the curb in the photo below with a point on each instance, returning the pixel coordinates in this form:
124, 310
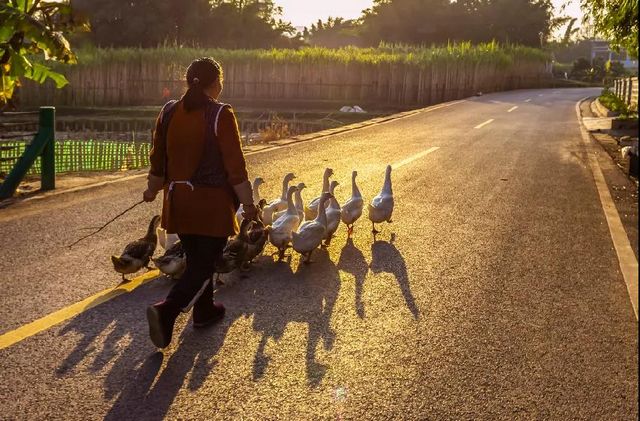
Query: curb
627, 260
593, 138
600, 110
275, 145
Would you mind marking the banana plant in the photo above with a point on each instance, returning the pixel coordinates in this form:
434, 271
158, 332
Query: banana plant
32, 32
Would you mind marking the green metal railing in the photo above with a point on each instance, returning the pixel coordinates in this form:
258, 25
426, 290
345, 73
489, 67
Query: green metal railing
41, 146
84, 155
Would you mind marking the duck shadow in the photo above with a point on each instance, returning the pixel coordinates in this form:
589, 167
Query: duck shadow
386, 258
143, 382
306, 295
352, 261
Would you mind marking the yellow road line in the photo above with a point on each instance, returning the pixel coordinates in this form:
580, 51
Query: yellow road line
12, 337
626, 258
479, 126
46, 322
23, 332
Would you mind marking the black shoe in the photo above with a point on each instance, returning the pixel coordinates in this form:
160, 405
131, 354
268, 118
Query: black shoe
204, 316
161, 318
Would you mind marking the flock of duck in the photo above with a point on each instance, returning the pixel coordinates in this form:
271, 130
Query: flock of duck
286, 222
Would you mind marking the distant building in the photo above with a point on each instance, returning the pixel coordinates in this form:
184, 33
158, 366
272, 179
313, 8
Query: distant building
601, 49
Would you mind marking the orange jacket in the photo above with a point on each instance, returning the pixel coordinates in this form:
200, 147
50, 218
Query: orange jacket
205, 210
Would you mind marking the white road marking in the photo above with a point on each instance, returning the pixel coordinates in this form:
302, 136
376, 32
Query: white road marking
493, 101
479, 126
414, 157
512, 109
540, 94
527, 100
294, 143
626, 257
10, 338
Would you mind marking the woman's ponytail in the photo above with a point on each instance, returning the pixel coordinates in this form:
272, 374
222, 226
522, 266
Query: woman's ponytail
201, 74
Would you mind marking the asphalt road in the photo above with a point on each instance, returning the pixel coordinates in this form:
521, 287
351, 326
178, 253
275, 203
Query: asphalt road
495, 294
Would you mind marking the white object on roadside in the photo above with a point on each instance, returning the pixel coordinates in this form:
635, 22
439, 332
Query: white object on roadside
629, 150
346, 109
357, 109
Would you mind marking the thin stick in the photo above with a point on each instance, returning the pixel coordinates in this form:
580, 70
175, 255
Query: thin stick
105, 225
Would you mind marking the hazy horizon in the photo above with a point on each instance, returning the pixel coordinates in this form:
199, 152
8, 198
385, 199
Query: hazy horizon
304, 13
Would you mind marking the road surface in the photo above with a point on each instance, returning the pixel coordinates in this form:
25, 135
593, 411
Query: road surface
496, 293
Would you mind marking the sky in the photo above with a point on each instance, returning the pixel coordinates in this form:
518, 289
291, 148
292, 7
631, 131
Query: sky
306, 12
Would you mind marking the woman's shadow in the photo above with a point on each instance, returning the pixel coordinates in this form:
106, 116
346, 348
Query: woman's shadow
134, 375
386, 258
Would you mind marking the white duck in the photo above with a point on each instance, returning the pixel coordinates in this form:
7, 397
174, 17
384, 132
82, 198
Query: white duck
165, 239
281, 231
381, 206
278, 204
352, 210
312, 210
311, 233
297, 200
333, 215
256, 198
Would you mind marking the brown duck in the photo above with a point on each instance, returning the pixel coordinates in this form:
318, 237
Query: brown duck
137, 254
174, 261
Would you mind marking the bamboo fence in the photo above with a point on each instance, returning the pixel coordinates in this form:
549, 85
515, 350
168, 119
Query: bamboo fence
396, 78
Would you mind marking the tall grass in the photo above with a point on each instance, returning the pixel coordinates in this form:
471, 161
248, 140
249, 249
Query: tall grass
384, 54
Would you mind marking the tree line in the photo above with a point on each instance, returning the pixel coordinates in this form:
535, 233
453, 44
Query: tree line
33, 32
258, 23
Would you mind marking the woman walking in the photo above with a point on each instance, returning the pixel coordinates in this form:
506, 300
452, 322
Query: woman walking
197, 160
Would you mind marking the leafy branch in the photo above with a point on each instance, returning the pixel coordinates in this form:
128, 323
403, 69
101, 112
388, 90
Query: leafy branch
30, 29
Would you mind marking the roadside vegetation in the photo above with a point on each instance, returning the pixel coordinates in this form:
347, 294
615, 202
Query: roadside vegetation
615, 104
492, 52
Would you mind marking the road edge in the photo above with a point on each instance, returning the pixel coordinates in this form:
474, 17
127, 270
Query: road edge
626, 257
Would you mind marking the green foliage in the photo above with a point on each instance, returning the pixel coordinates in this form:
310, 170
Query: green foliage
217, 23
617, 21
30, 29
559, 69
613, 103
600, 71
526, 22
501, 55
334, 33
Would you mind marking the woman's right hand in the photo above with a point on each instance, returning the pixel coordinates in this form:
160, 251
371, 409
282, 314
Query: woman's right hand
149, 195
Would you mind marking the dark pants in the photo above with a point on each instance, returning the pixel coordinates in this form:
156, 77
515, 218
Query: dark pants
195, 288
